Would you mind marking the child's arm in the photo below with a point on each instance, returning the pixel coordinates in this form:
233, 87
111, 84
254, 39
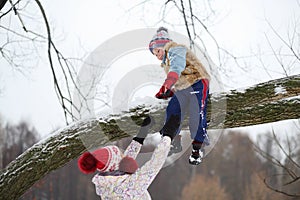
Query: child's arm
177, 57
133, 149
135, 146
143, 177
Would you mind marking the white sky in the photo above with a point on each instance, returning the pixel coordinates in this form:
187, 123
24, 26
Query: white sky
84, 25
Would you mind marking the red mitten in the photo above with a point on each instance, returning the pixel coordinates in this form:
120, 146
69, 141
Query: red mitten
164, 93
128, 165
165, 90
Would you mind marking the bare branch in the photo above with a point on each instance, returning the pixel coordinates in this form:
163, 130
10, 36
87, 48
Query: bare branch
283, 150
289, 166
276, 56
279, 191
17, 13
2, 3
186, 23
289, 46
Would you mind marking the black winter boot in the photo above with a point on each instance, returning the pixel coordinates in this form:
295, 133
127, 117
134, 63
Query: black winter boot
171, 126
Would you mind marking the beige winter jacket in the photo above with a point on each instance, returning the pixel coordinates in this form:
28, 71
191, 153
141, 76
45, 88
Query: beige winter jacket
194, 69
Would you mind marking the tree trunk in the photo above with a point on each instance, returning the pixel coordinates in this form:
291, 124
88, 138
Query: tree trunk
256, 105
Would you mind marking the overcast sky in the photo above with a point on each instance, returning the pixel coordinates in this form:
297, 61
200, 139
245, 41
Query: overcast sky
81, 26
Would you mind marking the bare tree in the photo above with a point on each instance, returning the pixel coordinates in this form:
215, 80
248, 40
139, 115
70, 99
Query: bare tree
23, 40
16, 139
286, 178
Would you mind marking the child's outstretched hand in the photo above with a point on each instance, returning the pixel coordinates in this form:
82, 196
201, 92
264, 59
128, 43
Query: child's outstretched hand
148, 122
164, 93
165, 90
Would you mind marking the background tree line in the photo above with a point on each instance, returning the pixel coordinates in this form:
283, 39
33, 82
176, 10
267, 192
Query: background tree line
235, 169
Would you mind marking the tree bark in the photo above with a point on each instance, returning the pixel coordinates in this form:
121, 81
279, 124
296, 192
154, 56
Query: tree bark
256, 105
262, 104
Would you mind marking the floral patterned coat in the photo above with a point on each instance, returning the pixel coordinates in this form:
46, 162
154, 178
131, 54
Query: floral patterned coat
118, 185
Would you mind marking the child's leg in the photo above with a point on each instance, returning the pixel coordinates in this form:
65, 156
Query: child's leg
197, 123
198, 107
177, 106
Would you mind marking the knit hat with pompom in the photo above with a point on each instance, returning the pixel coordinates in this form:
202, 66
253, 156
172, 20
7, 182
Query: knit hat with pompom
159, 39
106, 159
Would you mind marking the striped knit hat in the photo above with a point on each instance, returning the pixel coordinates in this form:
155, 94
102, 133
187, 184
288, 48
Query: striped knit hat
159, 39
106, 159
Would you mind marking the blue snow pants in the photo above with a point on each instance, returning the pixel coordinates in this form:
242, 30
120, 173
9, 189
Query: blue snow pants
194, 101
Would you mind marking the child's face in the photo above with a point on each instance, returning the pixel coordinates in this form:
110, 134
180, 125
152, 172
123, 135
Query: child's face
159, 53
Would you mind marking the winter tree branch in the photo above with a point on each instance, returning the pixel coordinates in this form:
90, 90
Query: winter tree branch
257, 105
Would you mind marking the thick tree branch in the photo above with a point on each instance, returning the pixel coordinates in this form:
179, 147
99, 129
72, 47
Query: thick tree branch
257, 105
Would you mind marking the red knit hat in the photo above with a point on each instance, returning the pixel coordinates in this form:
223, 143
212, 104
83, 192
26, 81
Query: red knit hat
159, 39
106, 159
